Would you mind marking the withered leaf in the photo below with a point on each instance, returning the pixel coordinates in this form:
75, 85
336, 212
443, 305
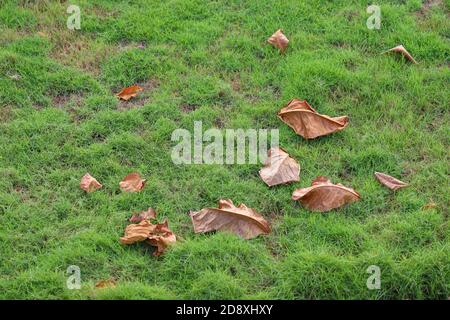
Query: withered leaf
132, 183
324, 196
144, 215
158, 235
305, 121
279, 168
279, 40
109, 283
129, 92
242, 221
161, 238
401, 49
390, 182
89, 183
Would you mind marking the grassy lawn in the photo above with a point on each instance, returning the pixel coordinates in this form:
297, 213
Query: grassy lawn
209, 61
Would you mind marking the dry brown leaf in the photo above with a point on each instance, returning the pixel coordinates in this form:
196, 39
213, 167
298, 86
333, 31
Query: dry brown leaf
129, 92
401, 49
109, 283
324, 196
89, 183
144, 215
132, 183
161, 237
429, 206
390, 182
157, 235
305, 121
242, 221
279, 40
279, 168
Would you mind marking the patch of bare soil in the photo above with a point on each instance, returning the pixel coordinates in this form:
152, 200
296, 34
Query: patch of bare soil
427, 6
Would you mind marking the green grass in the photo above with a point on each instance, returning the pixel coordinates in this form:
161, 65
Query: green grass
209, 61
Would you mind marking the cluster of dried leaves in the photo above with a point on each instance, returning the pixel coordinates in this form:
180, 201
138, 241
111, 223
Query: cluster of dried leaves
280, 168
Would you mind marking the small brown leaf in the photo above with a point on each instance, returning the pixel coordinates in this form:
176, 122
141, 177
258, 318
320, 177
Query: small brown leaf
129, 92
132, 183
279, 168
144, 215
390, 182
279, 40
429, 206
89, 183
161, 238
109, 283
305, 121
242, 221
324, 196
157, 235
401, 49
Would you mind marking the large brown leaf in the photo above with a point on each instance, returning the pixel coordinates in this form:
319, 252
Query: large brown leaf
279, 40
89, 183
144, 215
158, 235
279, 168
109, 283
132, 183
390, 182
305, 121
129, 92
324, 196
401, 49
242, 221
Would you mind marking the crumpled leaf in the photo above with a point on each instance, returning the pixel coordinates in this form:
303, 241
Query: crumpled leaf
89, 183
109, 283
390, 182
161, 238
144, 215
401, 49
129, 92
279, 168
158, 235
324, 196
279, 40
132, 183
305, 121
242, 221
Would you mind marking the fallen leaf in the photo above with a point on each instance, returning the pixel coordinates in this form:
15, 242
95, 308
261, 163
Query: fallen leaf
305, 121
243, 221
132, 183
429, 206
390, 182
161, 238
144, 215
129, 92
401, 49
157, 235
110, 283
137, 232
279, 168
324, 196
89, 183
279, 40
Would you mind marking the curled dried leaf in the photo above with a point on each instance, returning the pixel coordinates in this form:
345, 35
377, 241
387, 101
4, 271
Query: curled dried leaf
242, 221
279, 40
305, 121
129, 92
401, 49
89, 183
109, 283
144, 215
324, 196
390, 182
157, 235
279, 168
132, 183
